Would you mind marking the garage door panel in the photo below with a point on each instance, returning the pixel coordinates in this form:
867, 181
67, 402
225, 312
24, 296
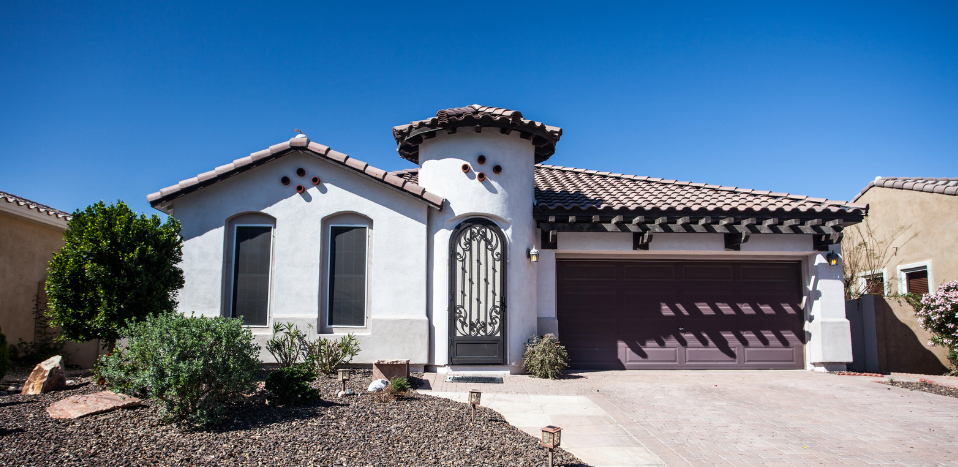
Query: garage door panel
681, 314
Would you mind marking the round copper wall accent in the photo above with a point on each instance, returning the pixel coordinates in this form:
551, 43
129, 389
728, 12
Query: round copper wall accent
300, 189
481, 177
497, 169
315, 180
301, 171
482, 159
284, 180
465, 168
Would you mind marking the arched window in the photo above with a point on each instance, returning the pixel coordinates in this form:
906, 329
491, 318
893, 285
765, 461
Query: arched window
248, 268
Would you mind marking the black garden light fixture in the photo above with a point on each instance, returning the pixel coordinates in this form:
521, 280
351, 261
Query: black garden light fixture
344, 376
533, 255
474, 397
832, 258
551, 439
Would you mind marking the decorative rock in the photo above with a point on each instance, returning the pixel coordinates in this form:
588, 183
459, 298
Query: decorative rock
378, 385
89, 404
70, 382
389, 369
13, 388
45, 377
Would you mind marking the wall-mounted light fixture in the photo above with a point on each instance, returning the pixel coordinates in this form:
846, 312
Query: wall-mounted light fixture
533, 255
832, 258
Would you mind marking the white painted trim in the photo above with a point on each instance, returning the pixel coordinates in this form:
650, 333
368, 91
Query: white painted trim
269, 293
911, 267
884, 275
329, 263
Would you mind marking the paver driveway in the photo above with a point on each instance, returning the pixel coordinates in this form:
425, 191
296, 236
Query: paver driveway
760, 417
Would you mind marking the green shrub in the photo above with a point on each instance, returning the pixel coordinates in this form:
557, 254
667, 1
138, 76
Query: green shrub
328, 356
4, 355
938, 314
194, 367
290, 385
287, 344
114, 267
399, 386
545, 357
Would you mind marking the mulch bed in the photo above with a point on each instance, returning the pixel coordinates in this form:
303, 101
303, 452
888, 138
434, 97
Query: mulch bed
352, 431
925, 385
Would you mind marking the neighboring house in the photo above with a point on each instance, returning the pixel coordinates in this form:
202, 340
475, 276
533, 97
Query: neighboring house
928, 208
886, 334
30, 233
456, 263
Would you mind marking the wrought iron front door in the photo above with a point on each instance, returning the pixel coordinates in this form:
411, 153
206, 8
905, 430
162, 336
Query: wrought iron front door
477, 294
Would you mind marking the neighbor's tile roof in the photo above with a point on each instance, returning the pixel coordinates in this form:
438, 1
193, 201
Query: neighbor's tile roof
34, 206
164, 196
562, 188
410, 136
945, 186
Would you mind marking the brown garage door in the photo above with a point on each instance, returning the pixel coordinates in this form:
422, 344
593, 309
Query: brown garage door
681, 314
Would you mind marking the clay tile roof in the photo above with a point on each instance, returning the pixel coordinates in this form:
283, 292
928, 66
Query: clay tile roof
34, 206
570, 189
161, 200
944, 186
409, 137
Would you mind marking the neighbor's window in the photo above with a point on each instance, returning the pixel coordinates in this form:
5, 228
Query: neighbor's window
916, 280
875, 284
252, 246
347, 276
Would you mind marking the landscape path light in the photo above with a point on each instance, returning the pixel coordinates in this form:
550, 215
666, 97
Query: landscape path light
551, 439
344, 376
474, 397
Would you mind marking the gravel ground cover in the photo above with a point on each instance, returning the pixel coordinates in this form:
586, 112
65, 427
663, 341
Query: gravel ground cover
925, 385
351, 431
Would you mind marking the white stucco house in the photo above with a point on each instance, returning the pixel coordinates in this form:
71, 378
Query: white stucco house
456, 263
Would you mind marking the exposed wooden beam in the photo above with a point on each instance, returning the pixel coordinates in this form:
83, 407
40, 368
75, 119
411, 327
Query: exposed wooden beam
478, 128
572, 219
452, 130
662, 220
749, 221
813, 222
640, 241
770, 221
552, 219
618, 219
822, 242
595, 219
734, 241
705, 220
683, 220
834, 222
638, 220
505, 131
727, 221
548, 240
791, 222
525, 135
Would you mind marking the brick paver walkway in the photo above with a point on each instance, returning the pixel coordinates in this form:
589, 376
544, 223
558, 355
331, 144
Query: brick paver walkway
761, 417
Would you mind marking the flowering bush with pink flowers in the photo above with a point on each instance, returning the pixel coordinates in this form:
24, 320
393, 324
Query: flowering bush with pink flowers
938, 314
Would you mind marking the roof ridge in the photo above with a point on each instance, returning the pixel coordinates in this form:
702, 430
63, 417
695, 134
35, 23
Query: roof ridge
643, 178
33, 205
302, 143
940, 185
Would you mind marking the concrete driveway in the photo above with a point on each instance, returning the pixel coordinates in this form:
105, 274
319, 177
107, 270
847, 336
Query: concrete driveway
680, 418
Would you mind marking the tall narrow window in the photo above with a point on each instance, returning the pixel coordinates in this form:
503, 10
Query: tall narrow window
347, 276
251, 268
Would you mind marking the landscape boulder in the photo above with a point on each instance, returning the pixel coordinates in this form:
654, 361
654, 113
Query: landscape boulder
45, 377
89, 404
378, 385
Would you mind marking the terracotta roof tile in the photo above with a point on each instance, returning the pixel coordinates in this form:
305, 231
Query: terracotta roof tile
410, 136
161, 198
35, 206
945, 186
570, 189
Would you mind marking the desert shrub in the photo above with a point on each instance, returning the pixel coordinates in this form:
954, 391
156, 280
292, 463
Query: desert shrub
194, 367
290, 385
938, 314
287, 344
114, 267
399, 386
4, 355
329, 355
545, 357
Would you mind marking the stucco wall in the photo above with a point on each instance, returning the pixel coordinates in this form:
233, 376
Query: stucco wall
828, 341
933, 217
396, 300
506, 199
26, 248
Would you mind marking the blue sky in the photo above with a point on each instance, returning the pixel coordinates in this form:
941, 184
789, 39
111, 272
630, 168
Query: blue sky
117, 100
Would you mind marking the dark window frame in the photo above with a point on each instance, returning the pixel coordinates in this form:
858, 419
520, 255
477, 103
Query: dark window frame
234, 266
330, 255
